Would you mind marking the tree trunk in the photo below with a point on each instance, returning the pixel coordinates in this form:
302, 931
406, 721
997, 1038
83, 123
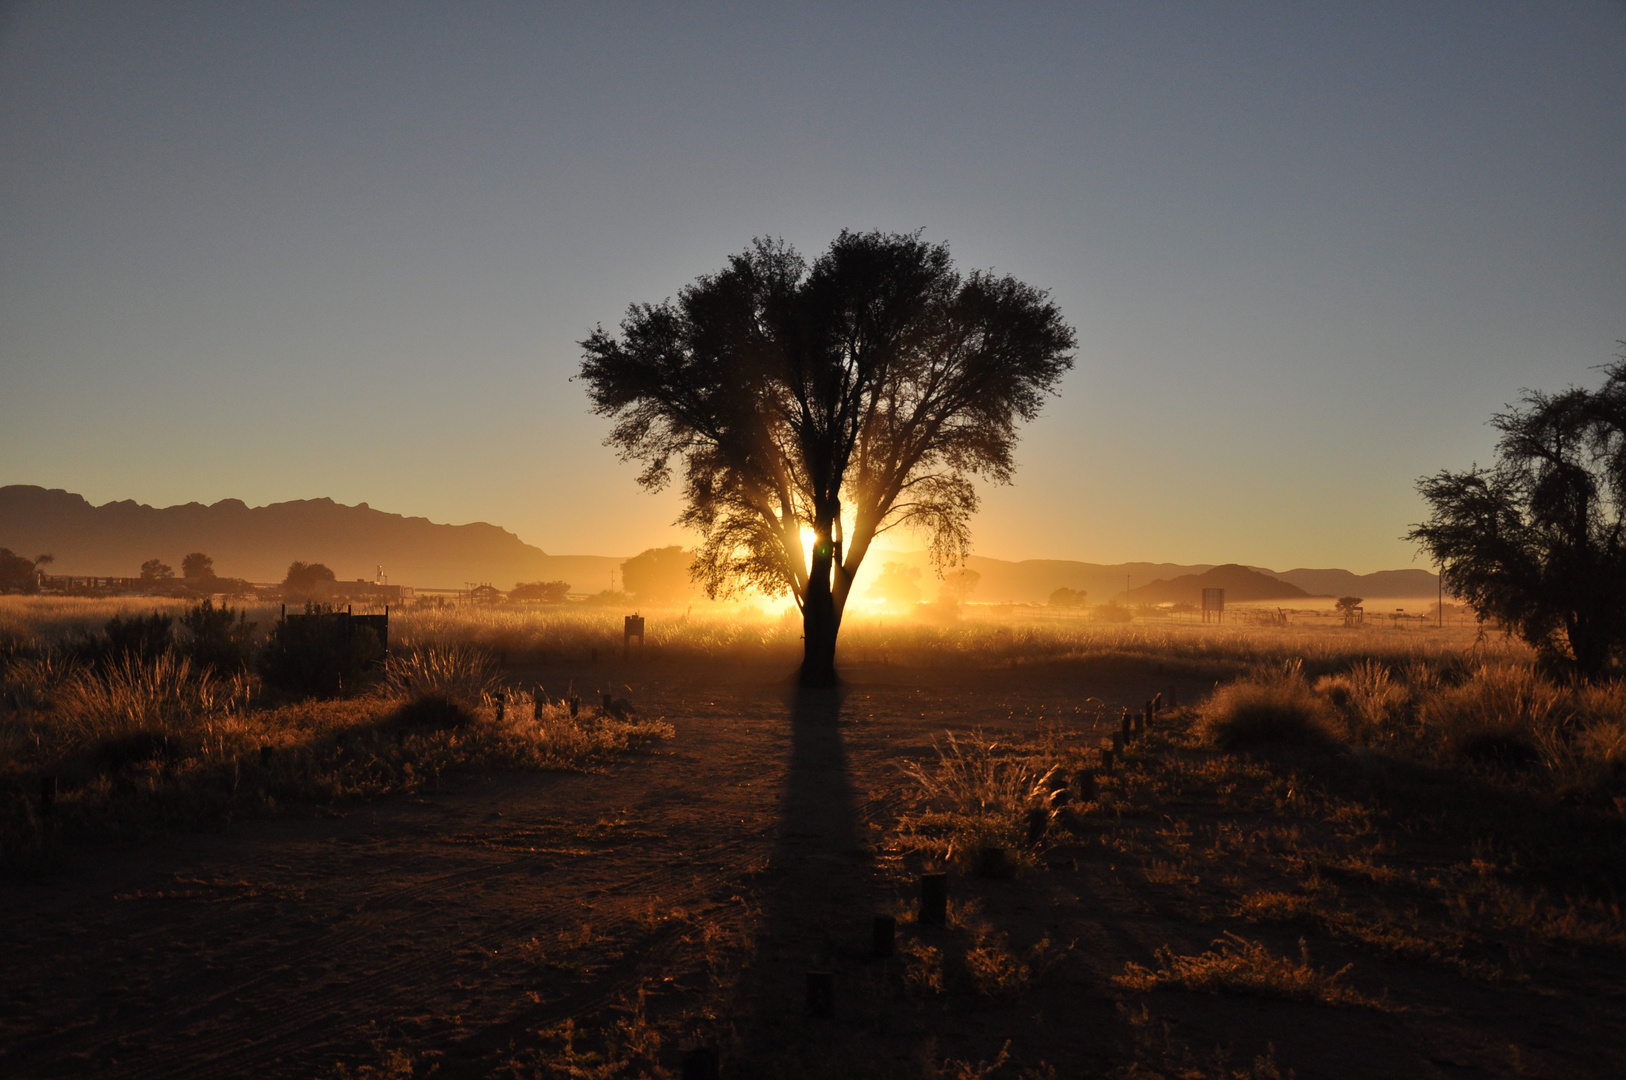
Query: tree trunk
819, 626
821, 620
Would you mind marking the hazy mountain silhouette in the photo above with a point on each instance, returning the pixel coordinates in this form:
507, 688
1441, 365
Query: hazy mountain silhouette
1384, 583
1241, 585
258, 543
1031, 581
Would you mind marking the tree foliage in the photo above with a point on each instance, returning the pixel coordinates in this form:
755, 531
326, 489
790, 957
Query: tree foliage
549, 592
16, 572
873, 384
898, 586
659, 575
1068, 598
958, 585
156, 570
302, 578
197, 567
1538, 541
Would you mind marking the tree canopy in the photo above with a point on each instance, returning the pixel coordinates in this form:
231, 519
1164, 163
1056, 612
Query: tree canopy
659, 575
1538, 540
197, 566
16, 572
843, 399
549, 592
156, 570
302, 578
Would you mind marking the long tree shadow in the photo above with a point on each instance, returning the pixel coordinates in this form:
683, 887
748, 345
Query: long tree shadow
817, 905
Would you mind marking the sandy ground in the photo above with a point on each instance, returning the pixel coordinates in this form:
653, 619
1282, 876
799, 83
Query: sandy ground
712, 872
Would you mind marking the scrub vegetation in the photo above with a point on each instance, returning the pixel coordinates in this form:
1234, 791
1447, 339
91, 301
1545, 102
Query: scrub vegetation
1346, 832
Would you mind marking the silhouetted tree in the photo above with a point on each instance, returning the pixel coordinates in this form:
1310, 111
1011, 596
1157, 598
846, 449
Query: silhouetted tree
1065, 597
879, 380
898, 586
1348, 605
958, 586
156, 570
549, 592
197, 566
659, 575
302, 578
1538, 541
16, 572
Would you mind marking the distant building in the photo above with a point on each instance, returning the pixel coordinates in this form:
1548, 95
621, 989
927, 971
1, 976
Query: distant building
485, 594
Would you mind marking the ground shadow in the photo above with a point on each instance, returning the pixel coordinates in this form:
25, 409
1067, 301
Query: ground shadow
818, 902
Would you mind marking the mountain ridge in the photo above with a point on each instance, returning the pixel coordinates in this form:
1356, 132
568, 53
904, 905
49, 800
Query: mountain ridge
258, 543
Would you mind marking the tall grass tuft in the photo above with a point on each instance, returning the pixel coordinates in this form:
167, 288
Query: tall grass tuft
1503, 715
1268, 709
976, 796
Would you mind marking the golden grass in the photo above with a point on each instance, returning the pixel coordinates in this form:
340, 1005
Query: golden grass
1239, 966
140, 745
975, 798
990, 636
1271, 710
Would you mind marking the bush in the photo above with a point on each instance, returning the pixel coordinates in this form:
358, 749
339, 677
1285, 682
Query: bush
1502, 716
142, 638
1273, 709
460, 673
218, 638
1368, 699
321, 653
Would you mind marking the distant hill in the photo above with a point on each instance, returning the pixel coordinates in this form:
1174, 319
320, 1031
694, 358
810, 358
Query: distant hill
1381, 585
258, 543
1031, 581
1240, 583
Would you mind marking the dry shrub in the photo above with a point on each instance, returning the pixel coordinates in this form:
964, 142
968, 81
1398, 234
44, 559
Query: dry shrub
462, 673
994, 970
1368, 699
977, 796
136, 744
1272, 709
1502, 715
1240, 966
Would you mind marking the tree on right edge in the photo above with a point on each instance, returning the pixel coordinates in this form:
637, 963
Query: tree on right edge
1538, 541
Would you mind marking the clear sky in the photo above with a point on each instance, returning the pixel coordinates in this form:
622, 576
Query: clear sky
276, 251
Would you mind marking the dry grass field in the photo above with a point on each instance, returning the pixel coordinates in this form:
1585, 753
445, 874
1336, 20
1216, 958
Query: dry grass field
1392, 851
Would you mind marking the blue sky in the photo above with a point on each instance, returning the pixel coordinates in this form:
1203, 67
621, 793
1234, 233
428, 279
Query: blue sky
275, 251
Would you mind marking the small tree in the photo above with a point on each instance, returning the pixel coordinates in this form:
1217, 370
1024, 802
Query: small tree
549, 592
156, 570
1349, 605
302, 578
197, 567
898, 586
1538, 541
16, 572
958, 586
877, 382
659, 575
1068, 598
